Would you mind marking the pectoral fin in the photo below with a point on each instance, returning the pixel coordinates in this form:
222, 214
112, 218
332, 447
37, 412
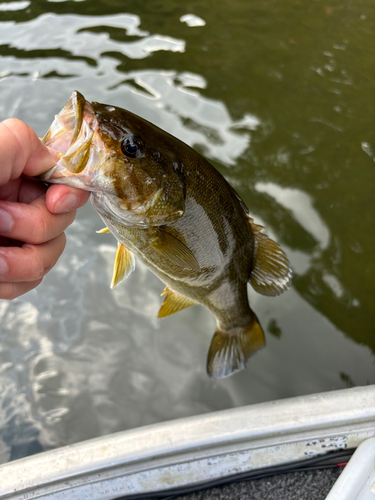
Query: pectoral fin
123, 266
174, 250
173, 302
271, 274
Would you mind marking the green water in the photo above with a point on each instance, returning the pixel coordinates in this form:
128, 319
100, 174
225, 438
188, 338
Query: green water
279, 96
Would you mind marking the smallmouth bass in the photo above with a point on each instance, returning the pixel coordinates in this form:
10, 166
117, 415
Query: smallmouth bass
167, 205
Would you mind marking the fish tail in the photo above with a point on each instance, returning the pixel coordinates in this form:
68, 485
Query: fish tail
230, 349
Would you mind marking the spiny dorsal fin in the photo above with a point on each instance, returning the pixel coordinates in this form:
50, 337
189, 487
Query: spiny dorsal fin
174, 250
104, 230
229, 350
123, 266
256, 227
173, 302
271, 274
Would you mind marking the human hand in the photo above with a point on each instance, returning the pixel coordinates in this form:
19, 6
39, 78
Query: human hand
32, 217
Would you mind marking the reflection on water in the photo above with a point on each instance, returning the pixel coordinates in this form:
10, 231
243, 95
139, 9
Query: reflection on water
277, 111
300, 204
194, 118
14, 6
71, 33
192, 20
190, 116
303, 212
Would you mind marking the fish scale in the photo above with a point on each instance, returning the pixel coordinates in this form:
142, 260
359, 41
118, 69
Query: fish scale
168, 206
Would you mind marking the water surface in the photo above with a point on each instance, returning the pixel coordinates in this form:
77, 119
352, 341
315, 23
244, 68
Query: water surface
280, 98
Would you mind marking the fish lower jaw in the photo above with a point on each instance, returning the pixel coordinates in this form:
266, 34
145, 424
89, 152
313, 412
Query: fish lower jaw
111, 212
54, 176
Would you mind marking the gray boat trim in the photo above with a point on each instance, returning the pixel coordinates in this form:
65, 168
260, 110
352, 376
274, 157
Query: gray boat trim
194, 450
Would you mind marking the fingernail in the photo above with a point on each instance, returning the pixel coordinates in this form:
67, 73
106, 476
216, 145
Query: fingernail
3, 266
6, 221
66, 203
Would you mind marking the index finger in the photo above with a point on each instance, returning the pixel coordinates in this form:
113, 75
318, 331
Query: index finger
22, 152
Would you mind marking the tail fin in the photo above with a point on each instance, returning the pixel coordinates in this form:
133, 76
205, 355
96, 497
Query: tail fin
229, 350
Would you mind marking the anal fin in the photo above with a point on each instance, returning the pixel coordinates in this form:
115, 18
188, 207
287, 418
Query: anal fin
173, 302
123, 266
271, 274
230, 349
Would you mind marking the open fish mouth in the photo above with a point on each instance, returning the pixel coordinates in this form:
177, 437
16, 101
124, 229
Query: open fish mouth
70, 136
66, 126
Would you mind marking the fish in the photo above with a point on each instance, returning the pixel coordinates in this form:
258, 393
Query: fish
168, 206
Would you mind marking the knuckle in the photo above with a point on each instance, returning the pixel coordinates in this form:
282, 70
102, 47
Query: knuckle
39, 230
8, 291
36, 261
46, 227
58, 248
41, 268
42, 258
19, 137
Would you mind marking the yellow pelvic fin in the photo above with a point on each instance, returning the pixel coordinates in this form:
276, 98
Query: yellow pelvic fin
174, 250
173, 302
229, 350
271, 274
104, 230
123, 266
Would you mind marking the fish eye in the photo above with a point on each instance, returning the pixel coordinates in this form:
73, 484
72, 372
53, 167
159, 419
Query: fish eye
130, 148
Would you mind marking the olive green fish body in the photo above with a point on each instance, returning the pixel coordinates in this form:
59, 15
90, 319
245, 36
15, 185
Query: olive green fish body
168, 206
222, 245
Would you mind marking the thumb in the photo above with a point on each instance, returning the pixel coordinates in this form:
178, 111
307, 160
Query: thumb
21, 151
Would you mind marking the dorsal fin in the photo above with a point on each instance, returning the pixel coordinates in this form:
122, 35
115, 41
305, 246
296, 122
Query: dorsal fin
271, 274
123, 266
173, 302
